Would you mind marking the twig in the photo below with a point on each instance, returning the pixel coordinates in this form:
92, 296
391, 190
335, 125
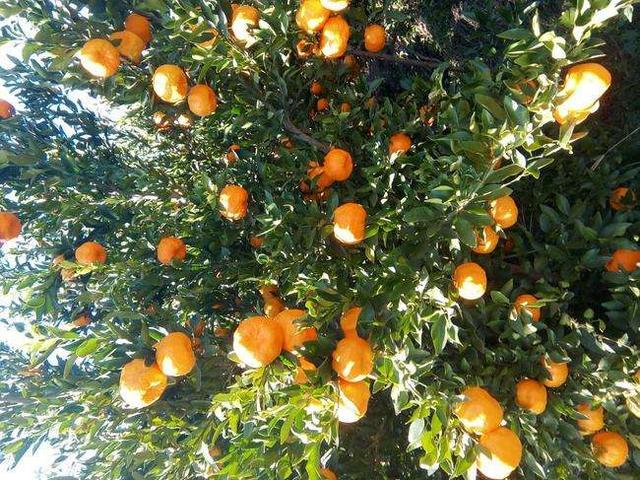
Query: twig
601, 157
291, 128
425, 63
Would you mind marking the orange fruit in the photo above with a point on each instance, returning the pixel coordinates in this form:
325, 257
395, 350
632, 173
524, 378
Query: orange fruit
174, 354
323, 181
349, 321
202, 100
350, 62
521, 305
618, 202
349, 223
470, 280
334, 39
128, 44
399, 143
487, 241
234, 200
256, 242
316, 88
335, 5
81, 321
100, 58
353, 400
531, 395
140, 385
583, 86
6, 110
594, 421
500, 453
557, 373
345, 107
338, 164
479, 412
161, 120
258, 341
303, 367
311, 16
10, 226
295, 334
273, 306
375, 38
610, 449
352, 359
305, 48
624, 259
287, 143
328, 474
139, 25
171, 249
322, 104
231, 155
244, 19
170, 83
504, 211
91, 252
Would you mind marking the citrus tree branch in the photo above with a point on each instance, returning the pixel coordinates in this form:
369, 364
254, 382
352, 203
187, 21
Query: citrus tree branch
291, 128
425, 63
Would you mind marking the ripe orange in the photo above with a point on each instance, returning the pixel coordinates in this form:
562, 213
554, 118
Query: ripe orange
352, 359
139, 25
521, 305
316, 88
399, 143
624, 259
479, 412
345, 107
328, 474
171, 249
334, 39
202, 100
295, 334
322, 104
500, 453
504, 211
234, 200
10, 226
305, 48
231, 155
487, 241
91, 252
244, 19
174, 354
338, 164
81, 321
311, 16
618, 202
170, 83
256, 242
594, 421
557, 373
353, 400
531, 395
128, 44
258, 341
350, 62
140, 385
303, 367
470, 280
6, 110
349, 223
322, 180
161, 120
610, 449
583, 86
374, 38
349, 321
273, 306
335, 5
100, 58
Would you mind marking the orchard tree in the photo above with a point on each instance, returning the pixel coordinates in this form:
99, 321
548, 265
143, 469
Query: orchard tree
281, 240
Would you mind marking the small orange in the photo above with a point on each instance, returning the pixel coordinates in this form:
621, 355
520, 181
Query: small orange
234, 200
161, 120
287, 143
303, 367
316, 88
583, 86
479, 412
323, 181
353, 400
504, 211
335, 5
273, 306
202, 100
231, 155
174, 354
311, 16
594, 421
610, 449
624, 259
349, 321
557, 373
338, 164
100, 58
622, 198
171, 249
10, 226
81, 321
6, 110
129, 45
349, 223
500, 453
345, 107
375, 38
470, 280
334, 39
521, 305
531, 395
399, 143
140, 385
328, 474
256, 242
350, 62
91, 252
352, 359
244, 19
487, 241
258, 341
322, 105
170, 83
139, 25
295, 334
304, 48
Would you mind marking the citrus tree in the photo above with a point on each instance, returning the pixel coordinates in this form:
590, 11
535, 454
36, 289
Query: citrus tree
284, 240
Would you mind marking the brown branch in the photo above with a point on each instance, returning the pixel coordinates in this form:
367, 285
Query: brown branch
291, 128
425, 63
